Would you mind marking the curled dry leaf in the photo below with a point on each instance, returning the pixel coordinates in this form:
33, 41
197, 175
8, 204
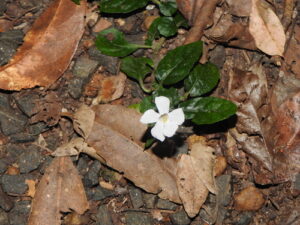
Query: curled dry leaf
83, 120
266, 29
60, 190
116, 136
195, 177
34, 64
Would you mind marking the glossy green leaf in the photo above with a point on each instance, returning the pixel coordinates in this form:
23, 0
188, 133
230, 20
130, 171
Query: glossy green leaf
112, 42
136, 68
168, 8
121, 6
147, 103
177, 64
171, 93
202, 79
208, 110
180, 21
153, 32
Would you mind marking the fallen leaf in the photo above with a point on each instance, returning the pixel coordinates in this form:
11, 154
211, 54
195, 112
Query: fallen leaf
266, 29
241, 8
83, 120
220, 165
249, 198
195, 177
31, 188
60, 190
116, 136
34, 65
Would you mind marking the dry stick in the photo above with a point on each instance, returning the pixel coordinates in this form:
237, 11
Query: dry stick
202, 19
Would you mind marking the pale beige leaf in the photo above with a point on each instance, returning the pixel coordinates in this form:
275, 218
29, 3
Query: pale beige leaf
192, 191
83, 120
266, 29
116, 136
48, 47
60, 190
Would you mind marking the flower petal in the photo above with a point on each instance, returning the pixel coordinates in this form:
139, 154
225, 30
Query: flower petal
157, 131
150, 116
177, 116
163, 104
170, 129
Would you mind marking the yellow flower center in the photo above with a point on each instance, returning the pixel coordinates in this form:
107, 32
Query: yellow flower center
164, 118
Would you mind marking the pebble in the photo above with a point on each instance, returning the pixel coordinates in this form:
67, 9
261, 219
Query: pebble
83, 165
22, 138
91, 178
13, 151
4, 218
30, 159
136, 197
180, 218
165, 204
3, 165
244, 218
110, 63
250, 198
149, 200
2, 9
18, 215
103, 216
27, 102
84, 67
37, 128
14, 184
75, 87
5, 202
98, 193
138, 218
9, 42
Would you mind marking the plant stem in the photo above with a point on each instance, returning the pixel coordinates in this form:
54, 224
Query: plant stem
144, 46
157, 2
185, 96
143, 86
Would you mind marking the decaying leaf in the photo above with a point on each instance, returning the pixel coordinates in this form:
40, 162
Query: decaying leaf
239, 7
60, 190
195, 177
48, 47
83, 121
116, 136
266, 28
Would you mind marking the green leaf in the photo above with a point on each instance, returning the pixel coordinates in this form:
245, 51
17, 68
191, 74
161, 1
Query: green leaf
112, 42
136, 68
121, 6
170, 93
77, 2
208, 110
177, 64
202, 79
164, 26
149, 142
168, 8
180, 21
147, 103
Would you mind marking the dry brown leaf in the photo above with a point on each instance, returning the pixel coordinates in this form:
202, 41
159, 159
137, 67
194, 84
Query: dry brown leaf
266, 29
60, 190
116, 136
239, 7
83, 121
195, 177
48, 47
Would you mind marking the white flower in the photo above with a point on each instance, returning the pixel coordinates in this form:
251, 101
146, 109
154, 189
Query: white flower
166, 122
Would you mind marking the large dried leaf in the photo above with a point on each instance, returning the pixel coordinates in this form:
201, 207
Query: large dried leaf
60, 190
266, 29
195, 177
116, 136
48, 47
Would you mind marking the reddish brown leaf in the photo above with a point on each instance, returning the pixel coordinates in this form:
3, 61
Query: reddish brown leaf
60, 190
48, 47
116, 136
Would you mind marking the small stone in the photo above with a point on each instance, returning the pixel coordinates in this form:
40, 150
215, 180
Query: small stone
149, 200
165, 204
98, 193
83, 165
37, 128
250, 199
91, 178
30, 159
180, 218
84, 67
110, 63
244, 218
27, 102
18, 215
3, 165
4, 218
13, 151
22, 138
5, 202
138, 218
14, 184
103, 216
76, 87
136, 197
220, 165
